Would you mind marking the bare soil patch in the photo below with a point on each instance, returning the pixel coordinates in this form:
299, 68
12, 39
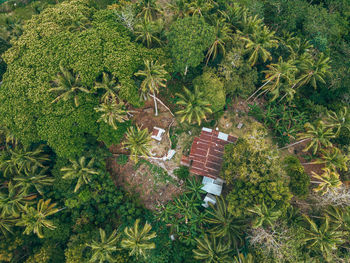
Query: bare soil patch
153, 180
145, 182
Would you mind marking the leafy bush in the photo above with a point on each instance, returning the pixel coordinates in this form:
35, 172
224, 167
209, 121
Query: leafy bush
188, 38
284, 121
83, 40
182, 172
254, 175
210, 84
299, 180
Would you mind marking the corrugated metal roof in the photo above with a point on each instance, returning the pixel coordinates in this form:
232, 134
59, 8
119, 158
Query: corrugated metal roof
207, 152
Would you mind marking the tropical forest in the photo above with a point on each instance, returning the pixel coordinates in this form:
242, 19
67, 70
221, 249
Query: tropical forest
175, 131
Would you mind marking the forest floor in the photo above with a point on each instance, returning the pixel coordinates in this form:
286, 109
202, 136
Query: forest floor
152, 180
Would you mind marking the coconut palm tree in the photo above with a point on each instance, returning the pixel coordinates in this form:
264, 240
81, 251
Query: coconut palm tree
149, 10
154, 78
12, 200
35, 219
340, 120
103, 249
112, 113
195, 106
198, 7
314, 72
249, 24
222, 36
21, 159
258, 44
34, 178
81, 170
223, 224
6, 224
264, 216
278, 74
68, 86
328, 181
333, 158
147, 31
319, 136
110, 87
138, 142
244, 259
138, 240
323, 239
209, 250
340, 216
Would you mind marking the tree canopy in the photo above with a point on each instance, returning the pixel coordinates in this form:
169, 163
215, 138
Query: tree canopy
83, 40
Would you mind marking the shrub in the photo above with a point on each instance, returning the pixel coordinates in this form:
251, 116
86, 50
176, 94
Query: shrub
182, 172
299, 180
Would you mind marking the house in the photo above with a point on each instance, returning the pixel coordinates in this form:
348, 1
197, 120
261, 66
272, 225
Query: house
157, 133
207, 152
205, 159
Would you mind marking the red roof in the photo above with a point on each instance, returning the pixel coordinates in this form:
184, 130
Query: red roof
207, 152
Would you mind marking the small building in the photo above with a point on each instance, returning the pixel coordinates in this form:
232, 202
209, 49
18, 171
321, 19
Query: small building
205, 159
157, 133
207, 152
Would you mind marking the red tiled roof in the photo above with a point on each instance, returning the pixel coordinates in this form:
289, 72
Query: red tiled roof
207, 152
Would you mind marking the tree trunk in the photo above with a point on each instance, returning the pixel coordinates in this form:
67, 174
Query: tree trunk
155, 104
285, 147
162, 104
257, 90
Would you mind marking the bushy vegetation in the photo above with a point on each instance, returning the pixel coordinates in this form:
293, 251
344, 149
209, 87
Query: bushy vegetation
73, 75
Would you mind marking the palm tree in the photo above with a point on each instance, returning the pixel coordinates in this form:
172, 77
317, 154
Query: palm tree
138, 142
340, 216
195, 106
264, 216
33, 178
154, 78
13, 201
68, 85
6, 224
258, 44
147, 31
194, 188
102, 250
138, 241
35, 219
110, 87
80, 169
198, 7
222, 35
149, 10
325, 238
223, 224
328, 181
113, 112
314, 72
242, 259
333, 158
338, 120
209, 250
319, 136
248, 23
21, 159
277, 74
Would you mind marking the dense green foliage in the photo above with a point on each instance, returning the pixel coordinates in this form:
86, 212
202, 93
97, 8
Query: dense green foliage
299, 180
84, 40
77, 77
